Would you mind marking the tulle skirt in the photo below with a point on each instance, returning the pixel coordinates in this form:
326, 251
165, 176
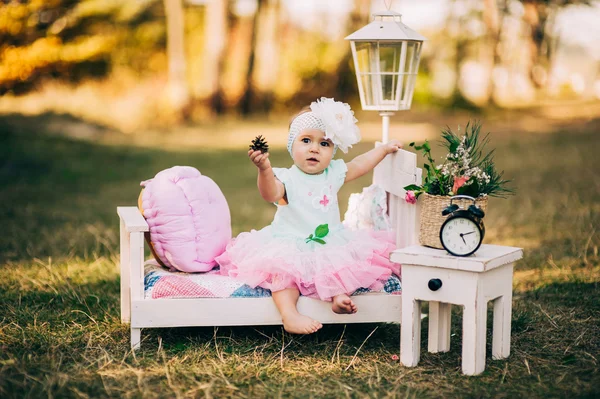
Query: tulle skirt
348, 261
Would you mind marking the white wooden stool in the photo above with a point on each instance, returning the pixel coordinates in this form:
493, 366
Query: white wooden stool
444, 280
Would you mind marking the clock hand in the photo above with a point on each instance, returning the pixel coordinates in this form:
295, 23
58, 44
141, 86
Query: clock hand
465, 234
463, 238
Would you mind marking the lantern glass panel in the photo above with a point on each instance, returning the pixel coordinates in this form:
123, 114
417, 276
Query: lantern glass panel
389, 62
386, 73
409, 72
365, 55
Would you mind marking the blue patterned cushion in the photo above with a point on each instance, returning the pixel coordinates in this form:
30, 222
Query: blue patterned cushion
162, 283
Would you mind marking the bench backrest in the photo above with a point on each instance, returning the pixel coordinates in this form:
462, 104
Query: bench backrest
392, 174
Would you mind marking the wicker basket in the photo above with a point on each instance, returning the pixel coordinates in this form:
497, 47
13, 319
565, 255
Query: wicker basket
432, 219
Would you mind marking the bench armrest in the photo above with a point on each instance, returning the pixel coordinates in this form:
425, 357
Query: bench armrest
133, 226
132, 218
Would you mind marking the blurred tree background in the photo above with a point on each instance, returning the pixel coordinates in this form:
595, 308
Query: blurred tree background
155, 62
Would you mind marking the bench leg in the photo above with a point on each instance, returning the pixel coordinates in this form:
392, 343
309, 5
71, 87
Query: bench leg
410, 336
136, 338
125, 274
502, 324
473, 345
439, 327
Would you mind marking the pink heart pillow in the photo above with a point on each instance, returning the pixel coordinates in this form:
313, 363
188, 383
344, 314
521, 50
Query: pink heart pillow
189, 218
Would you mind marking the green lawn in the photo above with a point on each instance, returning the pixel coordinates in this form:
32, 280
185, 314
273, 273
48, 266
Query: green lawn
60, 331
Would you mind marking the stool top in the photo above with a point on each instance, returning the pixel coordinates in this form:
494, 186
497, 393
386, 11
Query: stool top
486, 258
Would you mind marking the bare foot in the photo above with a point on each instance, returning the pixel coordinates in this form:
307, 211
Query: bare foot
343, 304
296, 323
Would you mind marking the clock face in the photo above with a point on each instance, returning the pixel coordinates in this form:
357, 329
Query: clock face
460, 236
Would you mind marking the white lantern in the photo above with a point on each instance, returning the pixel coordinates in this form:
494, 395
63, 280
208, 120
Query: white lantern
386, 59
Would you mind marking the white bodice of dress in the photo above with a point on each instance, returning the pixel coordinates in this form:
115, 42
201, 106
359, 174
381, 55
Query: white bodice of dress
312, 200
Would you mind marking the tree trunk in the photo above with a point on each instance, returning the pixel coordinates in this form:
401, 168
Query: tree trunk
262, 79
248, 97
235, 76
215, 42
493, 17
536, 23
177, 86
347, 84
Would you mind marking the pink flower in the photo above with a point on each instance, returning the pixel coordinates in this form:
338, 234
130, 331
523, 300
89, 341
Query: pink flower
410, 197
324, 200
395, 358
458, 183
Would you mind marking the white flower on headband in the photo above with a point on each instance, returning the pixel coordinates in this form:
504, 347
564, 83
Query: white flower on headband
339, 121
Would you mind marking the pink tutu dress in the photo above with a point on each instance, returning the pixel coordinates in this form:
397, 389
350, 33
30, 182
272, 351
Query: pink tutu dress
307, 247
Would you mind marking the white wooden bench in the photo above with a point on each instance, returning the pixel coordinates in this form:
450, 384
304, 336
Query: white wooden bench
394, 172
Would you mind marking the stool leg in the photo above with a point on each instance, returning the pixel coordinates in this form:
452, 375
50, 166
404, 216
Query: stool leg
502, 325
410, 335
473, 345
439, 327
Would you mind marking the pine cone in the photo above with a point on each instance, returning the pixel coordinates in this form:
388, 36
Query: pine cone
259, 144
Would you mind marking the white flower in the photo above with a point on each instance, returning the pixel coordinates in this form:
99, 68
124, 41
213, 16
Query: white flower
339, 121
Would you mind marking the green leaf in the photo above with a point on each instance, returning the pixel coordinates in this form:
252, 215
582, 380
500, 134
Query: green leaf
471, 190
453, 146
318, 240
412, 144
432, 187
412, 187
310, 237
426, 146
322, 230
426, 166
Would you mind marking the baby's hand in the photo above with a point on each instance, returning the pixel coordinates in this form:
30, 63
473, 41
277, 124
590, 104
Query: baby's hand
392, 146
259, 159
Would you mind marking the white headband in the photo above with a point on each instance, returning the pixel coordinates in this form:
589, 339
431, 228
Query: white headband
302, 122
334, 118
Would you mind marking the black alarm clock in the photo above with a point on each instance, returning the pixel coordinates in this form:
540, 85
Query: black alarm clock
462, 232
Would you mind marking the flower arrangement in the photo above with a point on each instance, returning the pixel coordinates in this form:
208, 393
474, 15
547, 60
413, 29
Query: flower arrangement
339, 121
467, 170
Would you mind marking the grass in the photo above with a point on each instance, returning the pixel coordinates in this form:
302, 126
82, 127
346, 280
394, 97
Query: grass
60, 331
